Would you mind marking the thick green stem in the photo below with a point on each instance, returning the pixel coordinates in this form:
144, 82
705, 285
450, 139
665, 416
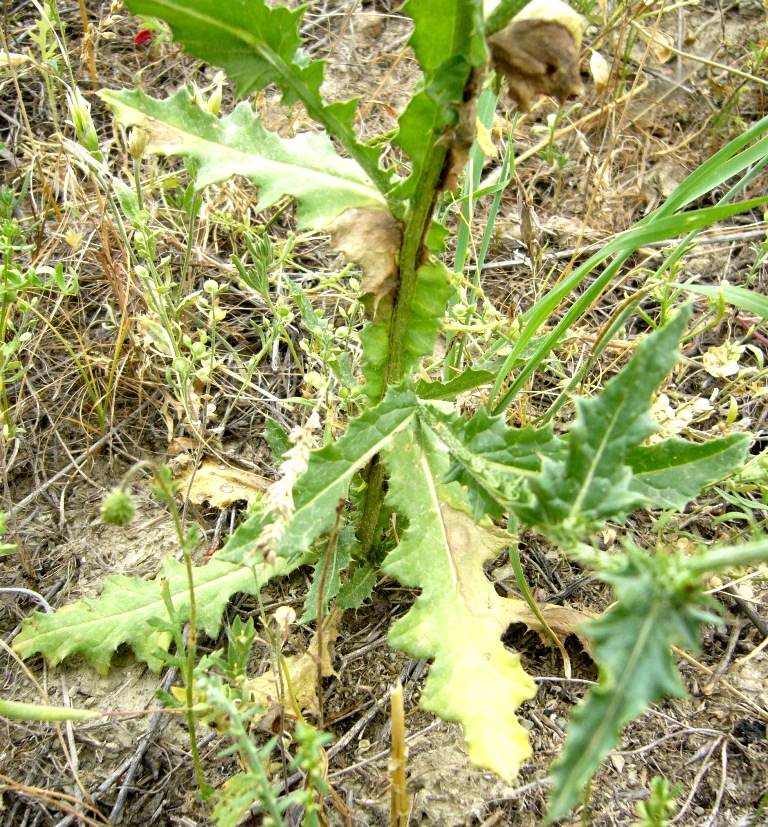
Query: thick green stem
366, 532
412, 255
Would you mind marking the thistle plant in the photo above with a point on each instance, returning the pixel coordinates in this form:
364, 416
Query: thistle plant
458, 488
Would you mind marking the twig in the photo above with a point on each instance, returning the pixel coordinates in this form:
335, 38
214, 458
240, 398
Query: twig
747, 610
78, 461
320, 602
725, 661
400, 809
756, 709
154, 725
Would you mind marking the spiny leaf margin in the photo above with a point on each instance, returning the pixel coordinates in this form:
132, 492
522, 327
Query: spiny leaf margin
458, 619
659, 605
433, 288
306, 167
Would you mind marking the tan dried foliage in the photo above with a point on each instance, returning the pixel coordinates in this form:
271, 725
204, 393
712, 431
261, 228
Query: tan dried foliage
537, 57
275, 696
372, 239
219, 485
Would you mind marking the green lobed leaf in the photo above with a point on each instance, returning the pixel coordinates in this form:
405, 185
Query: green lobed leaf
358, 588
258, 44
324, 484
306, 167
341, 557
447, 40
458, 619
443, 29
128, 607
124, 612
433, 288
277, 438
592, 483
490, 459
659, 606
671, 473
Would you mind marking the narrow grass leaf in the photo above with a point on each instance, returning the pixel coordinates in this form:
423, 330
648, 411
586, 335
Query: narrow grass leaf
741, 297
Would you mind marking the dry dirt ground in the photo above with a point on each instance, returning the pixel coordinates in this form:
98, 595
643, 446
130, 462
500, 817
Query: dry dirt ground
612, 164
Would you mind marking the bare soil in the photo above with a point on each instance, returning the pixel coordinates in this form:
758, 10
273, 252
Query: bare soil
618, 160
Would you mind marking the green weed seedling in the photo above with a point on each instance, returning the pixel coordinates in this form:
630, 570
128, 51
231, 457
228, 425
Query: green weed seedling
661, 806
408, 456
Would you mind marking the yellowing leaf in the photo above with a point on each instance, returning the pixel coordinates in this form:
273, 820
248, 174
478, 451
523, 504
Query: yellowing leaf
600, 71
14, 59
660, 44
484, 138
458, 619
723, 361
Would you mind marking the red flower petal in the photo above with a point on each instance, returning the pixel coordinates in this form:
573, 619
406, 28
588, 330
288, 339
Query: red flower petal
142, 37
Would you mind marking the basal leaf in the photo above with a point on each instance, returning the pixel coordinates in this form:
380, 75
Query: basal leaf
658, 606
671, 473
127, 608
592, 483
306, 167
258, 44
358, 588
433, 288
124, 612
458, 619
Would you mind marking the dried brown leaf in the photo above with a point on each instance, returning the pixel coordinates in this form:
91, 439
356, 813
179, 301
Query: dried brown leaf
660, 44
219, 484
537, 57
601, 72
562, 620
372, 239
302, 672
